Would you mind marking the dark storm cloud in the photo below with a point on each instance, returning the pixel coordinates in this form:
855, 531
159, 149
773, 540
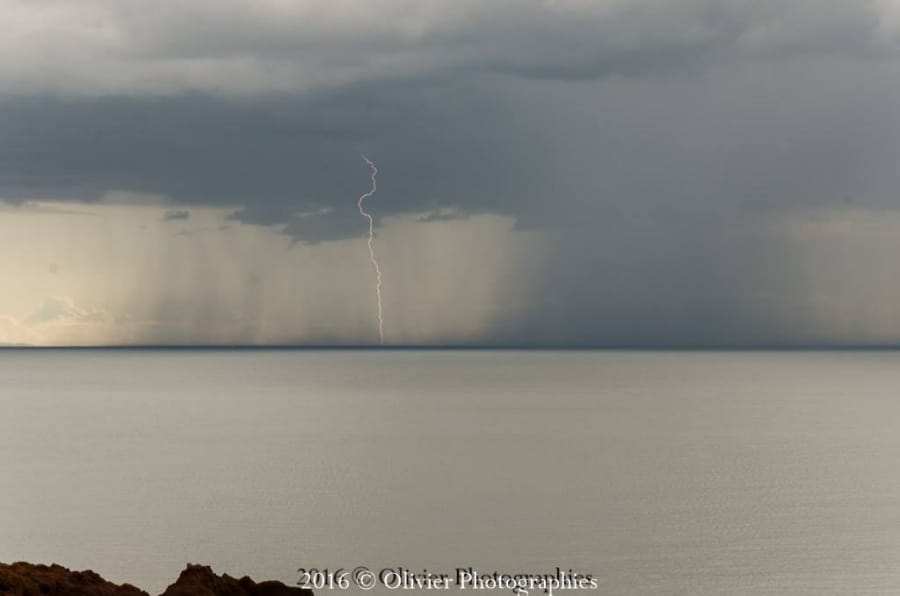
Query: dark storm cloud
455, 122
284, 161
653, 142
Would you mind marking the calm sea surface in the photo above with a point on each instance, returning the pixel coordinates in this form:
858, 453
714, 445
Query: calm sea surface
659, 473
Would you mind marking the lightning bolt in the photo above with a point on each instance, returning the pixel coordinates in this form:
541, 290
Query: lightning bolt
372, 258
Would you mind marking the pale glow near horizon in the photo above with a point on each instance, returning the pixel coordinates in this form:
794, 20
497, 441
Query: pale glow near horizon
106, 273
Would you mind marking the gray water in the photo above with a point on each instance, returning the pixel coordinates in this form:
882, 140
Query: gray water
659, 473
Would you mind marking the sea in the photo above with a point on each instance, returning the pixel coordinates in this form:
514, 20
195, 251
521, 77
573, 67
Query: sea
695, 473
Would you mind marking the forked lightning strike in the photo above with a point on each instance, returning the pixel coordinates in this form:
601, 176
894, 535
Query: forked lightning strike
372, 258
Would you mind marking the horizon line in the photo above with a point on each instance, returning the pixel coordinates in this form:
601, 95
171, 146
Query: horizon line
471, 347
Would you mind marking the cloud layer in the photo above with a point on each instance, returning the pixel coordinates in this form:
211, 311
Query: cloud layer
98, 47
659, 146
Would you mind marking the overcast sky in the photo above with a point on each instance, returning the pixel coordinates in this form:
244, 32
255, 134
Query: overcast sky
579, 172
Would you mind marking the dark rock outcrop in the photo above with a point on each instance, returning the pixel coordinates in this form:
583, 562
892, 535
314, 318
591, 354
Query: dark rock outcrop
25, 579
199, 580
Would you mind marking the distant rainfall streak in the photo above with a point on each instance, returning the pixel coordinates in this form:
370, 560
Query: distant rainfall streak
372, 258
